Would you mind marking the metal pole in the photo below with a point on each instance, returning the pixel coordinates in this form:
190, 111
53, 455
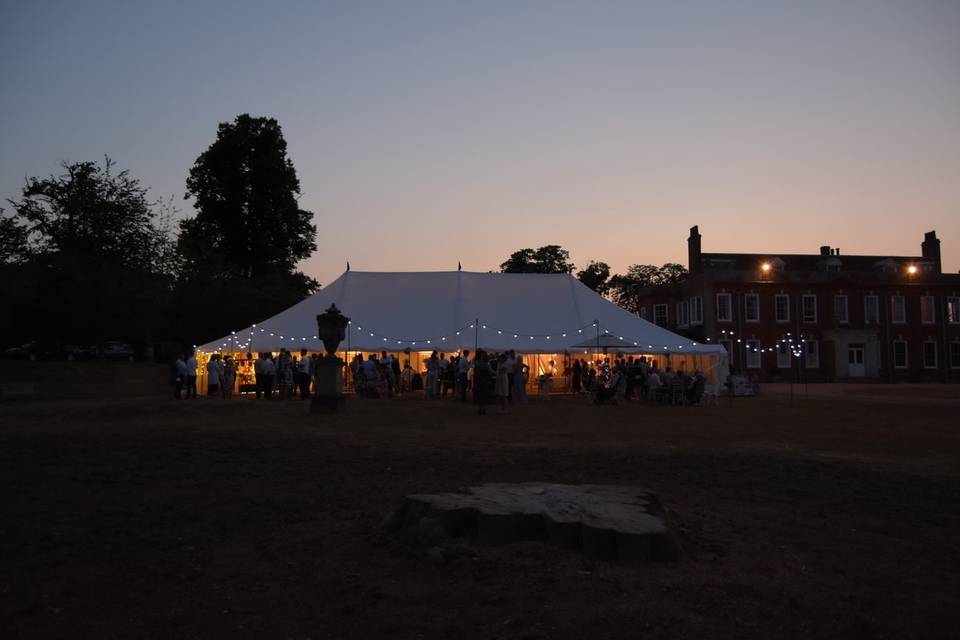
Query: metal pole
476, 336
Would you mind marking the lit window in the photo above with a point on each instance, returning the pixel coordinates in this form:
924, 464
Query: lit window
953, 310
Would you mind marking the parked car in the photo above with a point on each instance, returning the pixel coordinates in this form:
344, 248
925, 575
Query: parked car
34, 350
113, 350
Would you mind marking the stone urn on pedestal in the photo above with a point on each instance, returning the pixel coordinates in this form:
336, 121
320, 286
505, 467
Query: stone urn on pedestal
328, 370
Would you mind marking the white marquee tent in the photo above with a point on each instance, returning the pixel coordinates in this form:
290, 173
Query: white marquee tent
449, 310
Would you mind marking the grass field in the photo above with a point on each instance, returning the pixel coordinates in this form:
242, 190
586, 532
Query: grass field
139, 516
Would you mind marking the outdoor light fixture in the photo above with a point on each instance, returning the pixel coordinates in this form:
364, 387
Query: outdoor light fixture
765, 267
912, 269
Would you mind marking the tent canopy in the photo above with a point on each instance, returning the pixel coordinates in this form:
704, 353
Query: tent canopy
449, 310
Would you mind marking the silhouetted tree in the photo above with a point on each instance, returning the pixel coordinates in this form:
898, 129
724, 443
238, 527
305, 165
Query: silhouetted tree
596, 276
97, 253
626, 290
248, 220
550, 258
241, 249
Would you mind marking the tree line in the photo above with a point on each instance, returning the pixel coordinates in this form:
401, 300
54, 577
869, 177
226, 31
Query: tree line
87, 256
625, 289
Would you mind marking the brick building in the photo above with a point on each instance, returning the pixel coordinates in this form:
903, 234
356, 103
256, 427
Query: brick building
820, 317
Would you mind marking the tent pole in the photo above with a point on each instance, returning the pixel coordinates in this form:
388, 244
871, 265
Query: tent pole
476, 336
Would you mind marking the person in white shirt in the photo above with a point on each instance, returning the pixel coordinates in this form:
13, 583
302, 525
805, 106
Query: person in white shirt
269, 371
213, 375
303, 375
179, 376
192, 376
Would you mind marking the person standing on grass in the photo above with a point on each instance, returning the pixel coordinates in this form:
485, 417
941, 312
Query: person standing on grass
463, 371
269, 370
482, 382
520, 371
433, 371
229, 377
192, 376
179, 376
258, 374
303, 375
501, 387
213, 376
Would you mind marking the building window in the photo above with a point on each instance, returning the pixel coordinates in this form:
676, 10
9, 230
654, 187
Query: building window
683, 314
871, 310
724, 311
840, 311
660, 314
783, 356
929, 354
955, 355
899, 354
808, 305
927, 310
751, 307
781, 306
753, 354
898, 309
696, 310
811, 353
953, 310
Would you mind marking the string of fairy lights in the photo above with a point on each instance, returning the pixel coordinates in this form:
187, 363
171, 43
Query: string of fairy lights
246, 339
793, 345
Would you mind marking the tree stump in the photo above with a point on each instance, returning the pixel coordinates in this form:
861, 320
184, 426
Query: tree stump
602, 521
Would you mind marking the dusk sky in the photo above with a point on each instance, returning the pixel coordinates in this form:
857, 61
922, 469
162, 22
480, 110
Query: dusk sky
430, 133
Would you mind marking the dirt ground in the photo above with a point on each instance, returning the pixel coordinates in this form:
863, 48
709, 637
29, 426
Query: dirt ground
836, 516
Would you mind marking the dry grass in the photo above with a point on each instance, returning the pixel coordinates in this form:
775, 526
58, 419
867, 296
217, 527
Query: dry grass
147, 517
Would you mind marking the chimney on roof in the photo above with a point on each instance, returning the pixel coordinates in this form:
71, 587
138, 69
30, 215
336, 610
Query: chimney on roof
930, 249
694, 259
825, 250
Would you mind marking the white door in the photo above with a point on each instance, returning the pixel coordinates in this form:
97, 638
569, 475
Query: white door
855, 368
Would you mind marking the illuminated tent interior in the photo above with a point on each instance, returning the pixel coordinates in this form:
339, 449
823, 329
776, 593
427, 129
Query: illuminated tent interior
550, 318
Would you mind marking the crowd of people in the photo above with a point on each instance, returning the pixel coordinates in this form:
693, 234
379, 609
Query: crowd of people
636, 378
485, 378
283, 374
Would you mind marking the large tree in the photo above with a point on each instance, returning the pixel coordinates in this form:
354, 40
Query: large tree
627, 289
596, 275
241, 250
249, 222
549, 258
96, 252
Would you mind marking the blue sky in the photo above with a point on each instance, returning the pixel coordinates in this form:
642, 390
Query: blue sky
426, 133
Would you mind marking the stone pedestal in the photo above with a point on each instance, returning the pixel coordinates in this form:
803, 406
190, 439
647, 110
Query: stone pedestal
328, 378
617, 523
